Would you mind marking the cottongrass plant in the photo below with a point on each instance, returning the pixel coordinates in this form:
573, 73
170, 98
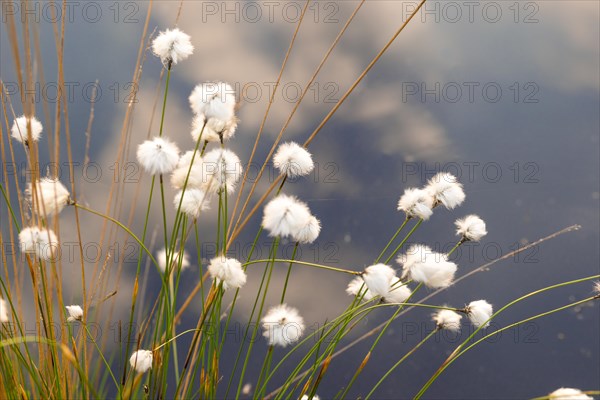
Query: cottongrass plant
277, 356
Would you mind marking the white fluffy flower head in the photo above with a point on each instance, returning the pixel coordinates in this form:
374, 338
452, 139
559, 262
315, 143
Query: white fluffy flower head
158, 156
141, 361
4, 318
381, 280
422, 264
213, 129
447, 319
19, 130
161, 258
569, 394
479, 312
51, 196
309, 232
293, 160
446, 190
40, 242
75, 313
285, 215
172, 46
416, 203
213, 100
471, 228
356, 286
221, 169
305, 397
180, 174
282, 326
228, 271
194, 202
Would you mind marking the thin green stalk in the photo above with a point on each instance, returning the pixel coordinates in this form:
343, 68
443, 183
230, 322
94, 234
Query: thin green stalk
269, 267
391, 240
325, 267
494, 315
289, 271
384, 377
404, 241
102, 356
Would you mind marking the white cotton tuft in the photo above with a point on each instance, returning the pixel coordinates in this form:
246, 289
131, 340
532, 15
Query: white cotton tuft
158, 156
221, 169
51, 195
305, 397
19, 130
597, 288
4, 318
447, 319
480, 312
141, 361
228, 271
381, 280
568, 394
446, 190
282, 326
422, 264
172, 46
214, 106
309, 232
416, 203
471, 228
213, 129
40, 242
194, 202
180, 173
358, 285
293, 160
75, 313
214, 100
285, 215
161, 258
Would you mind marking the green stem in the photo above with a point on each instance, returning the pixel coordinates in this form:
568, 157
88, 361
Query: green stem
391, 240
494, 315
384, 377
289, 271
403, 241
274, 260
101, 355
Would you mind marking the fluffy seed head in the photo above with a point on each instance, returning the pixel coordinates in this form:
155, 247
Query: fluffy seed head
75, 313
194, 202
161, 258
3, 311
447, 319
422, 264
51, 196
569, 394
228, 271
213, 129
471, 228
141, 361
479, 313
308, 232
293, 160
180, 173
213, 100
356, 286
282, 326
416, 203
172, 46
446, 190
158, 156
305, 397
221, 169
40, 242
19, 129
381, 280
285, 215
